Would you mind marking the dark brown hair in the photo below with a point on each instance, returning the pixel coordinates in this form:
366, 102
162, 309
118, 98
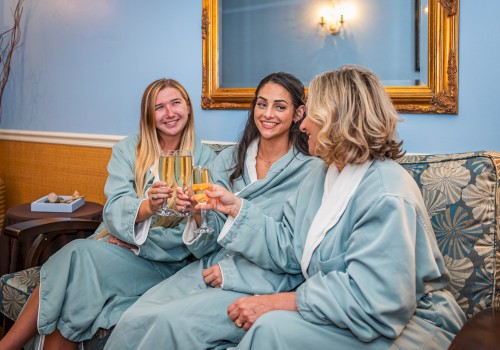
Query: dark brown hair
296, 90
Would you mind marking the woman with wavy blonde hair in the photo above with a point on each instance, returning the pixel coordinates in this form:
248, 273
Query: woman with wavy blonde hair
357, 230
359, 120
89, 283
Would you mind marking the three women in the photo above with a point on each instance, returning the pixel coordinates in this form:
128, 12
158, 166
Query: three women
349, 261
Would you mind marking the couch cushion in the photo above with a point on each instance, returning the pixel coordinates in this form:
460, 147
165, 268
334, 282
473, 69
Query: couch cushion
15, 288
461, 195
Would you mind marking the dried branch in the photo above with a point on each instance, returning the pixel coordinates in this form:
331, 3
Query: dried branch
11, 38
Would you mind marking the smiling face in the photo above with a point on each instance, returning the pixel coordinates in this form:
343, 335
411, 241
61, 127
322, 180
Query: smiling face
171, 114
274, 112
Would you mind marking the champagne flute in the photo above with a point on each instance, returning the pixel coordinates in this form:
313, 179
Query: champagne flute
183, 174
201, 182
166, 174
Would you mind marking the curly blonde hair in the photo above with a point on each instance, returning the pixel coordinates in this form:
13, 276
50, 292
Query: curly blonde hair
356, 116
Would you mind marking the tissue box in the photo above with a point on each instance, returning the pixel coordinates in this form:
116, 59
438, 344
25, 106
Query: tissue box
42, 204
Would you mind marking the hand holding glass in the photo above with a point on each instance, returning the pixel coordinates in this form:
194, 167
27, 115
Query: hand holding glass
201, 182
166, 174
183, 174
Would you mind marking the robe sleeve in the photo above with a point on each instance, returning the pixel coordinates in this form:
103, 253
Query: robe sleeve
164, 244
241, 275
370, 290
207, 243
270, 242
122, 204
262, 240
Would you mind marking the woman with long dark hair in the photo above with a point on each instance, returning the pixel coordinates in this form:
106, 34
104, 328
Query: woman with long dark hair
188, 310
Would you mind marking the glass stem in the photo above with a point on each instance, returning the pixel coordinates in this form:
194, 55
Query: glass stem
203, 218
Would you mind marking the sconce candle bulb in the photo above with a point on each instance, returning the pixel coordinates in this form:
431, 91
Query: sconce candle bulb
333, 27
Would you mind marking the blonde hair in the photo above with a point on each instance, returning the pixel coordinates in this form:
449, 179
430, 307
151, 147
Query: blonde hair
148, 148
356, 116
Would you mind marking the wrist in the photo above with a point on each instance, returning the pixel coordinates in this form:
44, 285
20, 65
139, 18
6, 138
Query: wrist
235, 209
286, 301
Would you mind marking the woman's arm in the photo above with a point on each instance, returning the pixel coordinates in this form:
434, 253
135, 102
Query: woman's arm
264, 241
122, 204
206, 243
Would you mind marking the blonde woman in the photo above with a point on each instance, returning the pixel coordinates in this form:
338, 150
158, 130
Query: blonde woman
359, 232
89, 283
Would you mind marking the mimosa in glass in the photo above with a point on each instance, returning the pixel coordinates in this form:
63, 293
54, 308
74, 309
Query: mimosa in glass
201, 182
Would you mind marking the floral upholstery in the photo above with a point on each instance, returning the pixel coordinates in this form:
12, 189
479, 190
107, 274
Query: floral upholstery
461, 195
16, 288
462, 198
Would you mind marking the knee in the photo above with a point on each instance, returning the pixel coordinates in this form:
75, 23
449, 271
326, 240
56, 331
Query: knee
80, 245
76, 250
146, 314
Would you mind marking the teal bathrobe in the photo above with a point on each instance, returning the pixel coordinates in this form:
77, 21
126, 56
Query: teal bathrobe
197, 317
376, 280
89, 283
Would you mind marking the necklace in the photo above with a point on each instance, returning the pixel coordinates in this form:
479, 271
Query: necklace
267, 163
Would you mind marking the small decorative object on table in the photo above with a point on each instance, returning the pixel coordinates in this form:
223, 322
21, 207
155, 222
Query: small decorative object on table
61, 204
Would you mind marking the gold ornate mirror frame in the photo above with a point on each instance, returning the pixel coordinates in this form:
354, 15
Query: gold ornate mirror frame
440, 95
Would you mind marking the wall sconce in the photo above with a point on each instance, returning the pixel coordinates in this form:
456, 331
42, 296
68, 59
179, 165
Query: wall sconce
333, 17
334, 27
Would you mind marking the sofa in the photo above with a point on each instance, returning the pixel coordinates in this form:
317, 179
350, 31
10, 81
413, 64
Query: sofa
462, 195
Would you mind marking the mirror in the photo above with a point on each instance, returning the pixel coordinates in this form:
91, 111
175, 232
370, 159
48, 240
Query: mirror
238, 50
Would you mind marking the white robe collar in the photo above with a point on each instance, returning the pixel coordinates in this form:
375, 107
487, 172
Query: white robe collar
251, 159
338, 191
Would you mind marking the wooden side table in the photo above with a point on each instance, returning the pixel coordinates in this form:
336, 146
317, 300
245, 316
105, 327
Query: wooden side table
9, 259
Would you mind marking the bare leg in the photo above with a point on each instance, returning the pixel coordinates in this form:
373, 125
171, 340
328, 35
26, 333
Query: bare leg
25, 326
55, 340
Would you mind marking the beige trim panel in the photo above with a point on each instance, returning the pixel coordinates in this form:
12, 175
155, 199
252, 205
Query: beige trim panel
64, 138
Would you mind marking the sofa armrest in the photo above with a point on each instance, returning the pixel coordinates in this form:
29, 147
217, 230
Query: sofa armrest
480, 332
36, 240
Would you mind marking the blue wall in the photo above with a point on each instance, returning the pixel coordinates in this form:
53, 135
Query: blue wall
84, 64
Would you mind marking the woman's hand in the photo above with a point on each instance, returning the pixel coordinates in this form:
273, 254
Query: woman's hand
245, 311
222, 200
120, 243
185, 201
158, 193
213, 276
